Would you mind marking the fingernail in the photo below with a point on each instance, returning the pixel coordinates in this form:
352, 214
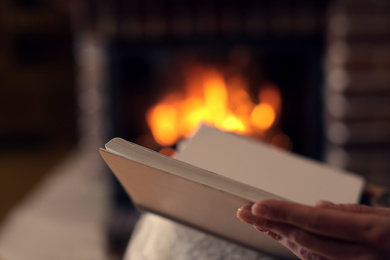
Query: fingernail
260, 210
245, 214
326, 204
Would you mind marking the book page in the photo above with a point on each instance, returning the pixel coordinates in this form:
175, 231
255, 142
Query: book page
257, 164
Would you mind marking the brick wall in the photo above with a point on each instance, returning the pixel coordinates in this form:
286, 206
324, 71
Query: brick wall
357, 88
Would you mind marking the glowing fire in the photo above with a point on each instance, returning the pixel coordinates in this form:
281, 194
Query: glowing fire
210, 98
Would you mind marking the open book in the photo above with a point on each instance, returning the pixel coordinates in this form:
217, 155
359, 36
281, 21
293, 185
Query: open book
215, 173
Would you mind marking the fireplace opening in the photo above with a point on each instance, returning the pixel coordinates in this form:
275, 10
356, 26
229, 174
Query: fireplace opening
146, 76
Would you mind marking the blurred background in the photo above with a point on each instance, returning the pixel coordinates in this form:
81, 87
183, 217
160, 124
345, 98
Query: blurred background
312, 77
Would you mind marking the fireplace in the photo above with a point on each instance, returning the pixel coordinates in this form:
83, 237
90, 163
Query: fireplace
146, 52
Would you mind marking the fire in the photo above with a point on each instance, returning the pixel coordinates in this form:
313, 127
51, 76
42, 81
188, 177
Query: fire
210, 98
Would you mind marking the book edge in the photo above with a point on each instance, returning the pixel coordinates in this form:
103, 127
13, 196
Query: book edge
190, 172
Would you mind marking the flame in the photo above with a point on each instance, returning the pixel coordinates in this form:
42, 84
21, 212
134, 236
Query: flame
210, 98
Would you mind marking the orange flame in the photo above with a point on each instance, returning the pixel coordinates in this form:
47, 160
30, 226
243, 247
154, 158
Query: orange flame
210, 99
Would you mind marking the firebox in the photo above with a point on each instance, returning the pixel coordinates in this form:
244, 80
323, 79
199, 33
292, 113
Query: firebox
149, 72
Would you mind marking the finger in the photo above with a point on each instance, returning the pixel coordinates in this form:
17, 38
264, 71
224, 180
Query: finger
306, 244
299, 251
355, 208
366, 228
246, 215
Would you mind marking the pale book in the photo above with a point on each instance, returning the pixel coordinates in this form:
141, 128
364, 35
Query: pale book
217, 172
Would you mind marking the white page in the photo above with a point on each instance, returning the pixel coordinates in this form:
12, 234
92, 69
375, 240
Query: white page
257, 164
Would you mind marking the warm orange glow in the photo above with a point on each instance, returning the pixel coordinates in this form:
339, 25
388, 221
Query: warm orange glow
270, 94
163, 118
210, 98
263, 116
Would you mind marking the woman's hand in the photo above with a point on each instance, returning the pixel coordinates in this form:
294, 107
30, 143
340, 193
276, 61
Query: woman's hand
327, 231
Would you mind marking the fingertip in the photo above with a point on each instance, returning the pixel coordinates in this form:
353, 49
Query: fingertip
245, 214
